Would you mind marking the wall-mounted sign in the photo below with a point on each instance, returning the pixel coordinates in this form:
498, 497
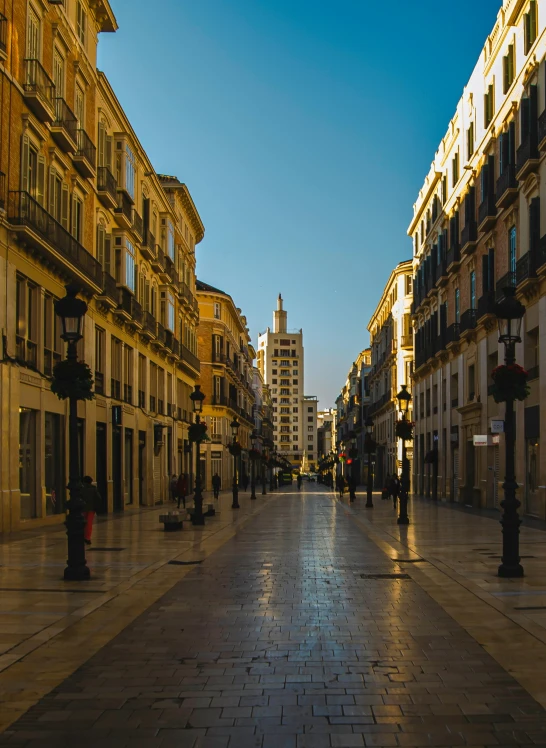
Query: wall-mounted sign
485, 440
497, 426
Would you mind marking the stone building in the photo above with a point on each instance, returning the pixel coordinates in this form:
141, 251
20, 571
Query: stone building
227, 377
391, 342
478, 226
80, 201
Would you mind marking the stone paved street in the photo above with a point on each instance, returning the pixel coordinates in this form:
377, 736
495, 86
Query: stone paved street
298, 631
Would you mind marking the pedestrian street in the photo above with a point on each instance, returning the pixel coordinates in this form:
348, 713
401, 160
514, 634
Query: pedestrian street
306, 626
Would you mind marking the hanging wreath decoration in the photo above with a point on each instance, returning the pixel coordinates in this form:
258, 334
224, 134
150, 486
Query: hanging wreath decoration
197, 433
254, 455
509, 383
404, 430
235, 449
72, 379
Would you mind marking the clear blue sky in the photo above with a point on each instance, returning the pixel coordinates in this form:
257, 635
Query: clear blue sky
304, 130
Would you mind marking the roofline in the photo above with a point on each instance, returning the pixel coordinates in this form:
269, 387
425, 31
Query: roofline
400, 268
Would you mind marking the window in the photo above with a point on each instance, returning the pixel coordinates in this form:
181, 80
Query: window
115, 364
512, 247
310, 419
33, 35
141, 381
508, 68
58, 73
531, 352
32, 170
310, 428
471, 382
457, 305
294, 381
489, 105
309, 410
129, 266
128, 374
167, 311
473, 289
168, 238
218, 314
81, 22
26, 334
125, 174
52, 336
455, 169
470, 140
77, 218
530, 25
309, 438
79, 105
28, 463
100, 359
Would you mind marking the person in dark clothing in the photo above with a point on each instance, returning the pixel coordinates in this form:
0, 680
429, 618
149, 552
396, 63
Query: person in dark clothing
182, 489
92, 500
299, 481
394, 489
173, 487
216, 484
341, 486
244, 481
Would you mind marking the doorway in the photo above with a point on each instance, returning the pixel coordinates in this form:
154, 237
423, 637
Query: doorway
116, 468
128, 466
141, 466
470, 472
100, 467
533, 503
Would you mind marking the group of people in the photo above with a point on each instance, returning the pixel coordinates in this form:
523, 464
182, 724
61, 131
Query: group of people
342, 484
392, 488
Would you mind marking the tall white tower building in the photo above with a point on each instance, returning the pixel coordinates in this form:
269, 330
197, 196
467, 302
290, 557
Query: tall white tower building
281, 363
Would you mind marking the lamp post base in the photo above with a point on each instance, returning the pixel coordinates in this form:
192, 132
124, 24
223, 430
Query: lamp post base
511, 571
235, 504
402, 521
76, 573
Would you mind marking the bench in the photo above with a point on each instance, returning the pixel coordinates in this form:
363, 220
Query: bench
172, 521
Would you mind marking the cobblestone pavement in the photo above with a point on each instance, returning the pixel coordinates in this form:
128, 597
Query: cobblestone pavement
299, 631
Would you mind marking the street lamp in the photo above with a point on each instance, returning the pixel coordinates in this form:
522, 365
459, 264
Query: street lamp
509, 314
196, 435
235, 451
72, 310
264, 461
370, 446
352, 455
404, 399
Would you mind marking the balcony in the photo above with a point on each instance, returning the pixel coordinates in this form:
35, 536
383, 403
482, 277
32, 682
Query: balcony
3, 35
161, 268
148, 246
149, 326
106, 187
36, 228
2, 190
406, 341
453, 334
487, 214
161, 335
85, 158
486, 305
508, 280
169, 338
469, 320
542, 131
526, 269
124, 210
64, 129
190, 358
158, 260
171, 271
441, 272
469, 237
527, 157
109, 296
507, 187
39, 91
453, 257
138, 226
129, 309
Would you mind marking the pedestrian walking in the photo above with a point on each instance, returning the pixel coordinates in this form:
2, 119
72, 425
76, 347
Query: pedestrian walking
244, 482
341, 486
385, 493
216, 483
394, 489
182, 489
92, 500
173, 487
299, 481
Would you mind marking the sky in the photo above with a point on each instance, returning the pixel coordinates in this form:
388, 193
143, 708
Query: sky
304, 130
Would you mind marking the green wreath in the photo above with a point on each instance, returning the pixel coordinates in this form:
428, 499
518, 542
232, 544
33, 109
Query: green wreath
254, 454
72, 379
509, 383
197, 432
235, 449
404, 430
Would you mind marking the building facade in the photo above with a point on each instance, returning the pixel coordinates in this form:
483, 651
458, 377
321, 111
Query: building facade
81, 202
351, 412
227, 379
326, 432
281, 363
391, 342
478, 227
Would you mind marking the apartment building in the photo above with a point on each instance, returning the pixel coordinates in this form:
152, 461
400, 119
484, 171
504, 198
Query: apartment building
326, 420
478, 227
80, 201
391, 343
281, 363
227, 379
352, 406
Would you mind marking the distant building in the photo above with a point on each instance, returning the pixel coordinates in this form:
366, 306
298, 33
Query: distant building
280, 359
325, 432
351, 413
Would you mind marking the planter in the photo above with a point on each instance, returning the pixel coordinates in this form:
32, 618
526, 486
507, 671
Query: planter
509, 383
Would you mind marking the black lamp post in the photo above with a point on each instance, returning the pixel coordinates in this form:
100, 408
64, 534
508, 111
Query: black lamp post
72, 310
196, 433
263, 461
404, 399
235, 451
370, 446
352, 455
509, 314
254, 439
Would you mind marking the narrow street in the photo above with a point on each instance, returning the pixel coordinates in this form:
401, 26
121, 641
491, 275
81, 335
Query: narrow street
298, 630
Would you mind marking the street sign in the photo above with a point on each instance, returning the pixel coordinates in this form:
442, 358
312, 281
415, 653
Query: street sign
497, 426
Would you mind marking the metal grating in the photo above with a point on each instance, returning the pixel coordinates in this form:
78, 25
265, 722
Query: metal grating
184, 563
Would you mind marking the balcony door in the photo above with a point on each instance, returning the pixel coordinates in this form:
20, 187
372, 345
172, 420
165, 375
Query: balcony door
58, 74
33, 35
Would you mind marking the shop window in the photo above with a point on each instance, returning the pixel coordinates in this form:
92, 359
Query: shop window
28, 463
55, 477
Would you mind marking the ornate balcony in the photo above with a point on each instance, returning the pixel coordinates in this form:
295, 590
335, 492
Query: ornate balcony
508, 280
486, 305
85, 158
158, 260
148, 246
441, 272
526, 269
453, 258
106, 187
453, 334
129, 309
124, 210
542, 131
469, 237
64, 128
487, 214
39, 91
527, 156
507, 187
36, 228
138, 226
149, 327
190, 358
109, 295
469, 320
